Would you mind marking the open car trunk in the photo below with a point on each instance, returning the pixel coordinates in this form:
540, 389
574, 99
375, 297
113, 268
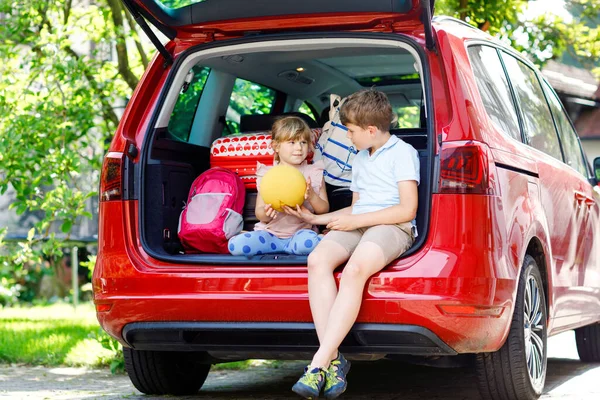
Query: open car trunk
230, 92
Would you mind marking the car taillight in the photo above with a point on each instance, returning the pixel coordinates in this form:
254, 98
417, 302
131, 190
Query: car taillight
111, 182
466, 167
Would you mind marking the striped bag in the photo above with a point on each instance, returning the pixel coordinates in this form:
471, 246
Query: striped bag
334, 148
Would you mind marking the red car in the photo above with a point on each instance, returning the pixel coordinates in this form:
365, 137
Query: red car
508, 250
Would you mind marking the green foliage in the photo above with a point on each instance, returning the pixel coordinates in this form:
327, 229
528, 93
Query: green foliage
180, 123
249, 98
494, 16
542, 37
89, 264
59, 96
408, 117
116, 362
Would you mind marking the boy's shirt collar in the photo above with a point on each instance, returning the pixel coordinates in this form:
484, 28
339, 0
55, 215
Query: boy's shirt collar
390, 142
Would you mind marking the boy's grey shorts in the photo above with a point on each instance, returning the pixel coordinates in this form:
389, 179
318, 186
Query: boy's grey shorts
392, 239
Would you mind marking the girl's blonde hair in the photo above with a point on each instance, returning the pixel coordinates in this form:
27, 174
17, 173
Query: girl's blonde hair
290, 128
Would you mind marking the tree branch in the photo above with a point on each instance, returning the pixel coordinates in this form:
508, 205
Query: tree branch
107, 111
122, 56
463, 9
67, 11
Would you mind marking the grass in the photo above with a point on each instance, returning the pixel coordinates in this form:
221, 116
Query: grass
57, 335
51, 336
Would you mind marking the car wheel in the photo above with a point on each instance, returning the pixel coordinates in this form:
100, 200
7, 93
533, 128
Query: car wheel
518, 370
165, 372
588, 342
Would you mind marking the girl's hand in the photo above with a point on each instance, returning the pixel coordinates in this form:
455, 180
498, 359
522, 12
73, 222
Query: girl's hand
344, 223
310, 193
300, 212
270, 211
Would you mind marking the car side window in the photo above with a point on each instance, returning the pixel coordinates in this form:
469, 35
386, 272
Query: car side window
247, 98
494, 90
570, 142
539, 126
182, 117
306, 109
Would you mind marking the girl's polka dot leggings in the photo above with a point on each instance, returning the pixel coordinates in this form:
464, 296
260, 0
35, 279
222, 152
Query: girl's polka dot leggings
262, 242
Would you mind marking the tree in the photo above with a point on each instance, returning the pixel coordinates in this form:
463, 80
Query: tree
541, 38
56, 99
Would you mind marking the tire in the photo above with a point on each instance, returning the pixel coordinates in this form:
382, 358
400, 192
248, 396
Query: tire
588, 343
165, 372
517, 371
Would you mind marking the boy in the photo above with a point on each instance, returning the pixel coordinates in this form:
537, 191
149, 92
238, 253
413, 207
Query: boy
376, 229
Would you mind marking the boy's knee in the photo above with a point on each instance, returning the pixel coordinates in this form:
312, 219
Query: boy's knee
316, 263
354, 272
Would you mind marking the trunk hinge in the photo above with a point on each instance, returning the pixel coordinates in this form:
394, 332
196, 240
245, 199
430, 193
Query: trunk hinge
168, 32
426, 15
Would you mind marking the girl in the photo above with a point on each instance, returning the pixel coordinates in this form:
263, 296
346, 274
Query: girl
291, 139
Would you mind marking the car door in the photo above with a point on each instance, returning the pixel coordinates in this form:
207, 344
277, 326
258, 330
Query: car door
586, 273
559, 187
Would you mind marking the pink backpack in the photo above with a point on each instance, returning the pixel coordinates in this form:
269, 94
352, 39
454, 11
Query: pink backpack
213, 212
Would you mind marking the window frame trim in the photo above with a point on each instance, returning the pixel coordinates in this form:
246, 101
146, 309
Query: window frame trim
516, 104
532, 68
562, 107
189, 133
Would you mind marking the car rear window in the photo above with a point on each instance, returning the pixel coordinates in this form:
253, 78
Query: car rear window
182, 117
494, 90
538, 122
247, 98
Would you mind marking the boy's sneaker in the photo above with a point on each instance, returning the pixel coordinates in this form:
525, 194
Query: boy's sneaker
310, 383
335, 377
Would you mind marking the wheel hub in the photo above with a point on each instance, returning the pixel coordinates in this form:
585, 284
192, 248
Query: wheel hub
533, 332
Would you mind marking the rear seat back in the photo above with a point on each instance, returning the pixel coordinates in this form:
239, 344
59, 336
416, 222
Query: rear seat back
264, 122
240, 153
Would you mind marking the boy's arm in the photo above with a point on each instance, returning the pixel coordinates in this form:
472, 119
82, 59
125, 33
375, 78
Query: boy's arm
403, 212
322, 219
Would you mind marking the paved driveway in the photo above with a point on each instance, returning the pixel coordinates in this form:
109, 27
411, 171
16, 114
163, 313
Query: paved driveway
568, 379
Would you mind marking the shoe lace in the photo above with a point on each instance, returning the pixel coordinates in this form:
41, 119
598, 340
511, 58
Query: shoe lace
332, 373
313, 378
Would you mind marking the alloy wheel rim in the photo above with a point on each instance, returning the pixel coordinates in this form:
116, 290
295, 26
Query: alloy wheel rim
534, 328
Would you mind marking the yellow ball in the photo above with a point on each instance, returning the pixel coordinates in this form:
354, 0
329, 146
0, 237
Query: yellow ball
283, 185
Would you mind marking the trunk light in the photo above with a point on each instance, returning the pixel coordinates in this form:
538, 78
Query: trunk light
466, 168
111, 182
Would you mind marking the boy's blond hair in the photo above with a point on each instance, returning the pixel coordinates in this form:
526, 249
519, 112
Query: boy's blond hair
290, 128
367, 107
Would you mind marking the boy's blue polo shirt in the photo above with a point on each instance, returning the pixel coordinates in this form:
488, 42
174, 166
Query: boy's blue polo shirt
375, 177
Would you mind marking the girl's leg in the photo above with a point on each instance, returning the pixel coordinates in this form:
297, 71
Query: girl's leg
255, 243
367, 259
303, 242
